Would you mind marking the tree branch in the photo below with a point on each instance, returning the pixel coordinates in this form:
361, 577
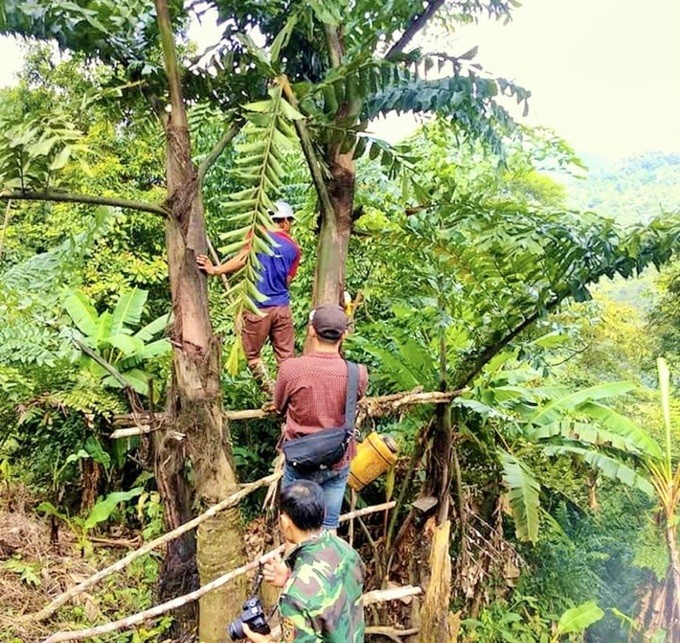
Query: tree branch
67, 197
468, 372
335, 48
109, 368
418, 21
178, 114
216, 151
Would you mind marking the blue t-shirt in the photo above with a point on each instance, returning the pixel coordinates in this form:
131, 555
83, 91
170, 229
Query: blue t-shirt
277, 269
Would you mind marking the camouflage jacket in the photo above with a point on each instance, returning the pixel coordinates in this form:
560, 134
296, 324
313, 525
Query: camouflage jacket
321, 600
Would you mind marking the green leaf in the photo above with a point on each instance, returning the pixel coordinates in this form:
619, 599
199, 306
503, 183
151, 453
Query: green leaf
523, 492
96, 452
82, 312
104, 508
126, 344
555, 409
623, 426
128, 310
578, 619
148, 332
608, 466
283, 37
136, 378
61, 158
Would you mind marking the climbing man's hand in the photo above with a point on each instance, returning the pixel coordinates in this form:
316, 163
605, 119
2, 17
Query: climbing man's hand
205, 264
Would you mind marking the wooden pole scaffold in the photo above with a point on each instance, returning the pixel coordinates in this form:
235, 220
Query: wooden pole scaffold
156, 611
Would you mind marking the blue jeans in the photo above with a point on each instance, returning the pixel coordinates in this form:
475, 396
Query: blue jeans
333, 484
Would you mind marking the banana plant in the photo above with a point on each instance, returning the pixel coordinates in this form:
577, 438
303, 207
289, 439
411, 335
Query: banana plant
110, 337
663, 609
579, 426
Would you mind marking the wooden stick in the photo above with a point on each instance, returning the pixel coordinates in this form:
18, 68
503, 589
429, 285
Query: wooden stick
227, 503
247, 414
134, 619
392, 633
382, 595
132, 431
367, 406
140, 617
367, 510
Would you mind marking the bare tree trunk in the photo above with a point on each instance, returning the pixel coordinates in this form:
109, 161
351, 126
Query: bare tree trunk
331, 259
194, 399
436, 618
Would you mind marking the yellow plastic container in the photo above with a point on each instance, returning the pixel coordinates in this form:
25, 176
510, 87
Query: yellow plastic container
374, 456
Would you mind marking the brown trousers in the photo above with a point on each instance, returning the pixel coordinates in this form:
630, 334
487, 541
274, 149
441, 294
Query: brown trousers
277, 325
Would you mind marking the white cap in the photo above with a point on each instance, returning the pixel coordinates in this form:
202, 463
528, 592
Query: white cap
283, 211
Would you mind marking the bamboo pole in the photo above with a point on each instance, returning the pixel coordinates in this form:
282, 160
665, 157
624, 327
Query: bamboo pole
227, 503
140, 617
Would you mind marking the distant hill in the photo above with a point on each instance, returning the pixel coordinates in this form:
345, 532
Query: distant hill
632, 190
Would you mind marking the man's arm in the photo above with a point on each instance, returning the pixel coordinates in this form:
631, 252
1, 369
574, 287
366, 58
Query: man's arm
363, 380
296, 623
232, 265
294, 266
281, 389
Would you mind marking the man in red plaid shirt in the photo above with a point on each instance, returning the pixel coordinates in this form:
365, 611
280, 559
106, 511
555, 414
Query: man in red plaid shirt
311, 390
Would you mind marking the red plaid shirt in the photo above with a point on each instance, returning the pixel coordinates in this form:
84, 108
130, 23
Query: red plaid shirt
311, 390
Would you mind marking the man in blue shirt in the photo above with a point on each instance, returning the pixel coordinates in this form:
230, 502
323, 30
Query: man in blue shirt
275, 320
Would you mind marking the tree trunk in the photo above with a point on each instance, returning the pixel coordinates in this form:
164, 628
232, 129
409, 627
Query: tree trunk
194, 405
436, 625
194, 399
672, 607
331, 257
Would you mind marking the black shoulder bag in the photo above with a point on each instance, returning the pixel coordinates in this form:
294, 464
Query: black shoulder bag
323, 449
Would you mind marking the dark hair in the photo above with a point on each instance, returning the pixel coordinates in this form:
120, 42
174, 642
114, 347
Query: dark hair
303, 502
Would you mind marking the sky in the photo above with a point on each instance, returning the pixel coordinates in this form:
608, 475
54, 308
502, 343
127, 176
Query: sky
603, 73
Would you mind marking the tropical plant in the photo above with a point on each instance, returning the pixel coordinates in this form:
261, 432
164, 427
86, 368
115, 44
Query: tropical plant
368, 75
661, 607
110, 335
101, 512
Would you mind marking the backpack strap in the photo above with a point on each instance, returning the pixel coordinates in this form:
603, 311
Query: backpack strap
352, 396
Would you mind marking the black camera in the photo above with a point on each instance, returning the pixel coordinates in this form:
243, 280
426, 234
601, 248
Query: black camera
253, 616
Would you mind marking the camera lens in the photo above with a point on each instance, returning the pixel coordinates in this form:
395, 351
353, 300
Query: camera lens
236, 630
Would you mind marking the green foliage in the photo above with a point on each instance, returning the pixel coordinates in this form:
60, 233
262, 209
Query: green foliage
269, 135
523, 491
111, 335
34, 150
630, 191
579, 618
28, 572
101, 512
518, 622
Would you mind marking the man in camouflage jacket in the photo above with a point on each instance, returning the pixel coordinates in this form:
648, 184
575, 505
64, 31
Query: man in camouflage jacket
322, 576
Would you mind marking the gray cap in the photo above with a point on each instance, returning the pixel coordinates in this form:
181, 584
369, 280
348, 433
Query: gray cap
329, 321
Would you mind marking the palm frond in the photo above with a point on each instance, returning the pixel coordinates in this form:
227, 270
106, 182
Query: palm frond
268, 136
